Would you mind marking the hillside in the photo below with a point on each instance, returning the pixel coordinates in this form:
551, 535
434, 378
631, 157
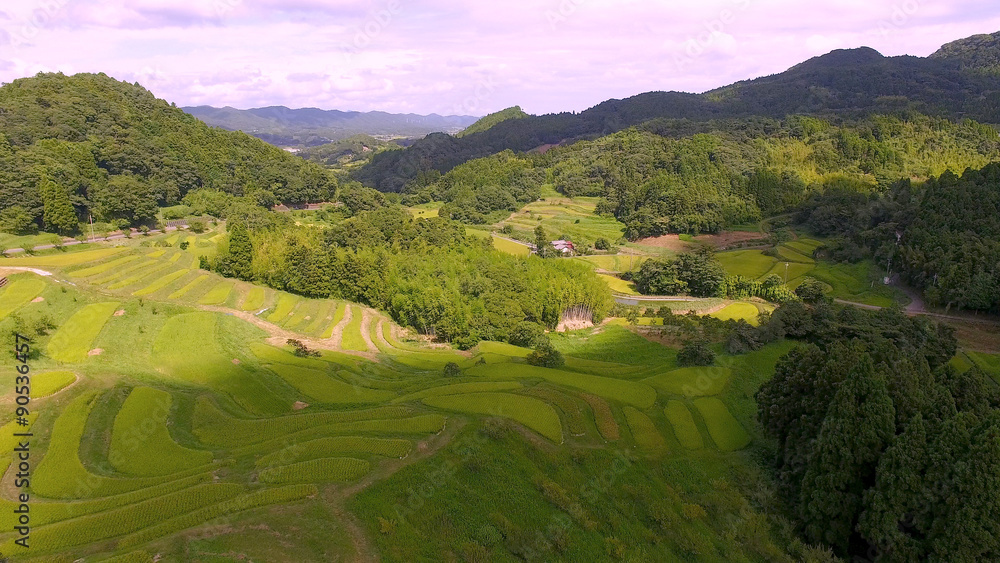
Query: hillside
308, 127
492, 119
72, 146
356, 148
979, 53
851, 83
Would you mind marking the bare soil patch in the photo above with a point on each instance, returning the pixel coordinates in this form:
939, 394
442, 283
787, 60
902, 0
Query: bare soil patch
38, 300
96, 352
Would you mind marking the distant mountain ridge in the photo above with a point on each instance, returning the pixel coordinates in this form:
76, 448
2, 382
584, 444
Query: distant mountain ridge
284, 126
847, 82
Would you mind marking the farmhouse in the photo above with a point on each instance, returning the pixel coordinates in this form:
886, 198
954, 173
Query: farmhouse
564, 246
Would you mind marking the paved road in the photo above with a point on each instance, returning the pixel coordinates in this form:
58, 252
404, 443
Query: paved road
73, 241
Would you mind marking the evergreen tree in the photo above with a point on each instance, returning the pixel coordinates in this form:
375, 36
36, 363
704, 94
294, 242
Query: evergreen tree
59, 215
240, 251
858, 426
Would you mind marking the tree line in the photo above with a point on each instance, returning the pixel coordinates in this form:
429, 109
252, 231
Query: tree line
75, 146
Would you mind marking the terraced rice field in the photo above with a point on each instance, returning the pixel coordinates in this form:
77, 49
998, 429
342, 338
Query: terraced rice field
533, 413
72, 341
199, 415
19, 292
739, 311
683, 425
727, 433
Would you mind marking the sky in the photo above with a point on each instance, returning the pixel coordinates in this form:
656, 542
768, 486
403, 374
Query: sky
456, 58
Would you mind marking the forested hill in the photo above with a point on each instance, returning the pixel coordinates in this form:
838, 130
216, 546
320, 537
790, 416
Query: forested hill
853, 83
309, 127
75, 145
492, 119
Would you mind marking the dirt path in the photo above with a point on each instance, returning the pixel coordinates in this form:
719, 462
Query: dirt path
337, 335
280, 336
367, 317
336, 496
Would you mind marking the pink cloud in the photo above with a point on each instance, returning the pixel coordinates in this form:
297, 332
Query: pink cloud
445, 57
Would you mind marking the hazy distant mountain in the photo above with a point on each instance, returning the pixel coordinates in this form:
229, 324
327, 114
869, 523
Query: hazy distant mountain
283, 126
958, 81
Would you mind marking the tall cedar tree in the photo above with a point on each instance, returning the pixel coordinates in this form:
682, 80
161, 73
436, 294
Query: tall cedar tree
59, 215
241, 251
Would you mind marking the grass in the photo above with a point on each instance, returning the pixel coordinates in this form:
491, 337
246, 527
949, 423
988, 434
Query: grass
60, 474
737, 311
324, 388
330, 469
102, 268
726, 431
19, 292
685, 429
264, 497
629, 392
190, 286
647, 437
63, 259
575, 218
71, 343
286, 302
353, 339
217, 428
615, 262
124, 520
161, 283
50, 382
337, 445
752, 264
603, 416
533, 413
140, 441
460, 388
254, 299
615, 344
425, 210
510, 247
218, 294
692, 381
187, 351
859, 283
337, 317
619, 285
573, 410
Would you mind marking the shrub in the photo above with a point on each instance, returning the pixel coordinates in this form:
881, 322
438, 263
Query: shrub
811, 290
301, 350
451, 369
197, 226
184, 245
528, 335
546, 356
696, 354
602, 244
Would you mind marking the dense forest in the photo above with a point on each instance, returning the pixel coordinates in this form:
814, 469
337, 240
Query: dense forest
941, 236
75, 145
492, 119
679, 177
352, 150
427, 273
849, 83
883, 450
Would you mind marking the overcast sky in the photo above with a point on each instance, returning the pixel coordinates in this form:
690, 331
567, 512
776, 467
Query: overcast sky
444, 57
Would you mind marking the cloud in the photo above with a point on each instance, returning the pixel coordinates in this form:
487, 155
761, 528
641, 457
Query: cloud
446, 57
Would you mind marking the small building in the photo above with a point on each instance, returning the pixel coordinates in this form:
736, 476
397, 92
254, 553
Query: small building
564, 246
